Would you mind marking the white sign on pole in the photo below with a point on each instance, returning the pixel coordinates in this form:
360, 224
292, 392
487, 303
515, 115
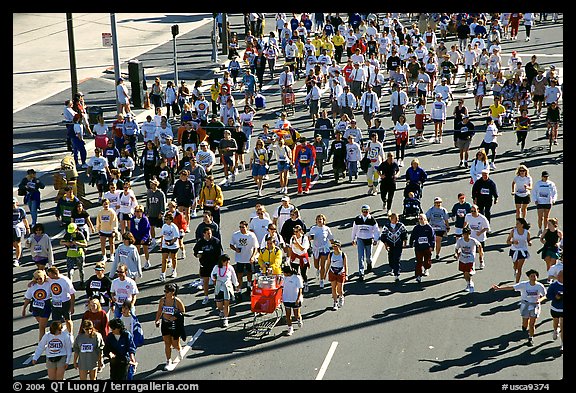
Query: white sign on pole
107, 39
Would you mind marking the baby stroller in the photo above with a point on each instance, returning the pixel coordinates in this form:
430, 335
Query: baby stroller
411, 208
508, 116
412, 95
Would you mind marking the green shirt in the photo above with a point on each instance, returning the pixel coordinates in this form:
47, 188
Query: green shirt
76, 250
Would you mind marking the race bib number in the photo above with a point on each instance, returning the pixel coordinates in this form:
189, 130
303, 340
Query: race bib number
210, 202
87, 348
168, 310
37, 248
105, 218
79, 221
120, 301
56, 303
38, 303
461, 212
67, 213
123, 254
484, 191
422, 240
150, 156
96, 285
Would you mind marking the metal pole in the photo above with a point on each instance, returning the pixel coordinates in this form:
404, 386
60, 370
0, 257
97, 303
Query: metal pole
214, 44
116, 55
224, 33
72, 54
175, 62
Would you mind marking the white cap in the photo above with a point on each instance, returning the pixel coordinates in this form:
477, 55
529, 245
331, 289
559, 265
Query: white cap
285, 198
437, 199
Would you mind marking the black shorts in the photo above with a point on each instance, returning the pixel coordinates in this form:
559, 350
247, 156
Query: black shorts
518, 200
168, 328
243, 267
172, 251
124, 216
421, 93
439, 233
15, 237
538, 98
106, 234
186, 203
155, 222
61, 313
206, 270
139, 242
546, 206
292, 304
557, 314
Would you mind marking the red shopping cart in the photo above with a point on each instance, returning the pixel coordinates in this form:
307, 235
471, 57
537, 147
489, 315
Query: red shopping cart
288, 101
265, 299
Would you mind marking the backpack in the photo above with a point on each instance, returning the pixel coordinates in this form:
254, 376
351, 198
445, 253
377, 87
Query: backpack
260, 101
138, 332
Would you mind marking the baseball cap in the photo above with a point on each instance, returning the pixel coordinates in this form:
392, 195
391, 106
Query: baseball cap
514, 52
71, 228
545, 173
552, 67
120, 79
30, 171
485, 171
365, 207
100, 266
438, 95
203, 143
285, 198
466, 230
437, 199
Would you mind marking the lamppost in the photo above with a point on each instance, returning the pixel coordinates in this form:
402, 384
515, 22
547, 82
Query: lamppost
175, 31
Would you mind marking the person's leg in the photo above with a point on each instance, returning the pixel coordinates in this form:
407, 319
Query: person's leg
52, 374
518, 207
323, 267
518, 266
360, 250
60, 373
368, 252
288, 316
532, 327
524, 209
419, 263
164, 262
167, 347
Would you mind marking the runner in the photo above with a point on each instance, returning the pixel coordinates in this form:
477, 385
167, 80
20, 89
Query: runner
292, 297
519, 240
245, 245
37, 296
438, 217
422, 239
480, 226
337, 273
321, 238
521, 187
225, 280
365, 233
394, 236
458, 212
207, 249
466, 248
544, 195
555, 293
171, 319
551, 238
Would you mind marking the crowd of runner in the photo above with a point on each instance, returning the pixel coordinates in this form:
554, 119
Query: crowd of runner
349, 64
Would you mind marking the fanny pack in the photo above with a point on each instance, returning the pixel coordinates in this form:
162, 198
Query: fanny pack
55, 359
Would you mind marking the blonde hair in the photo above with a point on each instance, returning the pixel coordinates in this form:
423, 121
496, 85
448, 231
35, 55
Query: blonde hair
483, 153
522, 167
97, 303
39, 274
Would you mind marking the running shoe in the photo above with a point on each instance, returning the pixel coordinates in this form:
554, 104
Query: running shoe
290, 331
205, 300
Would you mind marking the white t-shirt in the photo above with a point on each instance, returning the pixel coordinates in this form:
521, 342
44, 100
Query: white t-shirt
61, 289
477, 224
170, 232
490, 135
98, 164
291, 286
304, 242
100, 129
225, 274
247, 243
282, 214
260, 227
321, 237
124, 289
112, 197
521, 183
468, 249
530, 293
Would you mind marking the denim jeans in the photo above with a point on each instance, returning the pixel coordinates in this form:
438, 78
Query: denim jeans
79, 146
33, 206
364, 252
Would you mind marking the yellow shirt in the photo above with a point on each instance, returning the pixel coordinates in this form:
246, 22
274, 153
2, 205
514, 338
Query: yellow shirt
317, 42
211, 196
496, 111
338, 40
300, 46
273, 258
329, 46
214, 91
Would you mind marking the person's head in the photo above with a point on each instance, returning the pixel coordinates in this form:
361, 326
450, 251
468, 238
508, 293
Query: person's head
415, 163
287, 270
171, 289
56, 327
393, 218
88, 328
39, 276
53, 272
422, 220
522, 170
38, 229
116, 326
128, 238
320, 219
243, 225
402, 119
481, 155
474, 210
522, 223
259, 143
365, 210
552, 224
99, 269
121, 271
126, 308
207, 233
223, 260
532, 274
466, 233
207, 216
94, 305
437, 202
545, 175
485, 174
68, 190
461, 197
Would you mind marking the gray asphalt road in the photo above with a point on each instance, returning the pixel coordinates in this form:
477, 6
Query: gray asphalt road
386, 331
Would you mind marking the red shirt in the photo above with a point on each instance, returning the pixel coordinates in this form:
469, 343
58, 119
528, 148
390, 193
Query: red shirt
99, 319
347, 71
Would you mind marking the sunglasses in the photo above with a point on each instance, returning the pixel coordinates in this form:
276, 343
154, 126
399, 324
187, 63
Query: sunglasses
120, 271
